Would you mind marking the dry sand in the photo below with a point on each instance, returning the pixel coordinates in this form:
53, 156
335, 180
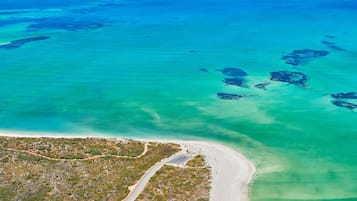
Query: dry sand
231, 171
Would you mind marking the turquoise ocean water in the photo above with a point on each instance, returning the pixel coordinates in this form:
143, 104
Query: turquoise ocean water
147, 68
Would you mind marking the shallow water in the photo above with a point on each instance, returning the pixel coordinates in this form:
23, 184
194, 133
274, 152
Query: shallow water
132, 68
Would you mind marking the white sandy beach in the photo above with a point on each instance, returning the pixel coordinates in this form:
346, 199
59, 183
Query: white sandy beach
231, 171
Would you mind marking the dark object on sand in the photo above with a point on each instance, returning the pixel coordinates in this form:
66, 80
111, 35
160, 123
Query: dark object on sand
203, 69
228, 96
18, 43
233, 72
262, 85
299, 57
234, 81
295, 78
348, 95
345, 104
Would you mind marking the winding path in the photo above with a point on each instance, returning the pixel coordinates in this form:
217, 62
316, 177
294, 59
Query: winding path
136, 189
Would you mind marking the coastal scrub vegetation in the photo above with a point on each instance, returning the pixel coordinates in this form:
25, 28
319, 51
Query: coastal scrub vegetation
74, 169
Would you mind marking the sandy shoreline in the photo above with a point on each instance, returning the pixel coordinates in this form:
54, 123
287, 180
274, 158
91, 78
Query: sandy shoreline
231, 171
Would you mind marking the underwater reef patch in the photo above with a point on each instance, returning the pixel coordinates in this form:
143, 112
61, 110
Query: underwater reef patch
332, 45
345, 104
295, 78
234, 81
18, 43
348, 95
337, 48
64, 24
325, 42
262, 85
340, 100
12, 12
330, 36
233, 72
300, 57
204, 70
228, 96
